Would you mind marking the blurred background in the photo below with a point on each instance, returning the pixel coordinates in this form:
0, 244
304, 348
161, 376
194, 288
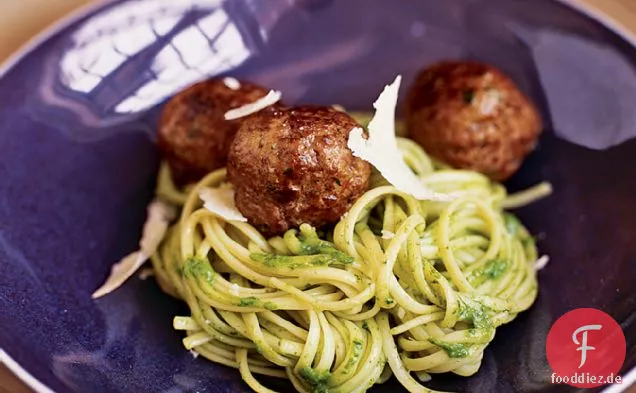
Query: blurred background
20, 20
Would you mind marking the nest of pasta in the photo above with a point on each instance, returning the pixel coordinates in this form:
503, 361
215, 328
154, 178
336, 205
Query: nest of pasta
411, 278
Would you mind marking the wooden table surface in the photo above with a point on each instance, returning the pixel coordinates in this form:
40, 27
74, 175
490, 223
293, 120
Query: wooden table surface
22, 19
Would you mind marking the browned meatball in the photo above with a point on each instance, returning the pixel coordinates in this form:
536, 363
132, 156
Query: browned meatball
292, 165
470, 115
194, 136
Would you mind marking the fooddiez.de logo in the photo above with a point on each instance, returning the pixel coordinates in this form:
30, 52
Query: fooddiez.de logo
586, 348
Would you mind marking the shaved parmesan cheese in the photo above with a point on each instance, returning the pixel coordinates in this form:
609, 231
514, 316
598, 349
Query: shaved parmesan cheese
232, 83
381, 149
220, 201
387, 234
120, 272
159, 216
271, 98
234, 289
194, 353
338, 107
155, 227
541, 262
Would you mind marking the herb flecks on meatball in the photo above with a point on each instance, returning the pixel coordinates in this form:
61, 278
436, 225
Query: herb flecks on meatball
471, 116
291, 166
194, 136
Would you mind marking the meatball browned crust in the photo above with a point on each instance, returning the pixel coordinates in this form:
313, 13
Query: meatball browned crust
470, 115
194, 136
291, 166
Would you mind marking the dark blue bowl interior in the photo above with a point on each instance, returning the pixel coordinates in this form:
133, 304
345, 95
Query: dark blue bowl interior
78, 161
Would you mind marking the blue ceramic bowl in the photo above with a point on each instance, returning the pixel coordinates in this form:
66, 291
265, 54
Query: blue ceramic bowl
78, 162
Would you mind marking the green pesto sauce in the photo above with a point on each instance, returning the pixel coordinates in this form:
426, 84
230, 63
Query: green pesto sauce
270, 259
436, 287
252, 301
355, 354
273, 260
365, 325
312, 245
197, 267
494, 268
320, 253
528, 242
270, 306
320, 261
453, 350
512, 224
475, 313
317, 380
249, 301
473, 332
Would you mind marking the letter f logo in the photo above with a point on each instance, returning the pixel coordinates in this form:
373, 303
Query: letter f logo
583, 344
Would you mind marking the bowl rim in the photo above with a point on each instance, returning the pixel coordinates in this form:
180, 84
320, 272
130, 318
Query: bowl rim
93, 8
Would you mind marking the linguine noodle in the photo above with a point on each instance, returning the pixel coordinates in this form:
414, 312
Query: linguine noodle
398, 286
